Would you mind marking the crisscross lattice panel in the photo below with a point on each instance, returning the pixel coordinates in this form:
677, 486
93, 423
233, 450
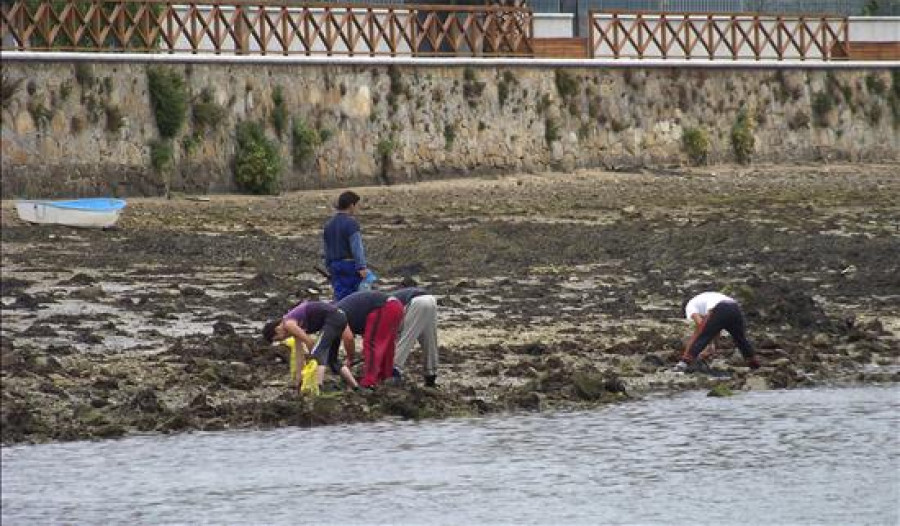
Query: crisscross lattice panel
239, 27
715, 36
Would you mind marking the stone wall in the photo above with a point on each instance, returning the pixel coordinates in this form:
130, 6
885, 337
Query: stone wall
85, 129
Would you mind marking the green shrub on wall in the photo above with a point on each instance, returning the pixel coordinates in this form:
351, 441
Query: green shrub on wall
822, 104
566, 84
160, 154
279, 111
8, 89
743, 142
303, 141
257, 164
696, 145
168, 98
207, 113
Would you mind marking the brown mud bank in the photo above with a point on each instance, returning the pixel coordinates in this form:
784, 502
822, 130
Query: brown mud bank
556, 291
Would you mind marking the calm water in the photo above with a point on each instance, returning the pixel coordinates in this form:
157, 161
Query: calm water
785, 457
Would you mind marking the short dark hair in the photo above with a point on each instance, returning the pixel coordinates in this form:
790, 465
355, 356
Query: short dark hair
347, 199
268, 331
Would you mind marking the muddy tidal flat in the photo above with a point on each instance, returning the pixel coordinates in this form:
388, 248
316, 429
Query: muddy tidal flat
556, 291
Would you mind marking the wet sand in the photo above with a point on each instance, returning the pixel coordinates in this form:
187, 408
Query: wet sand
556, 291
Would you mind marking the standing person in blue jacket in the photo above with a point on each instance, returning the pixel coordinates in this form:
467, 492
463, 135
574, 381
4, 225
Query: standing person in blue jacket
345, 255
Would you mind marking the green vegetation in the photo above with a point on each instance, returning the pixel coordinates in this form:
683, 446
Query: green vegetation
190, 143
207, 113
257, 164
76, 124
449, 135
822, 104
894, 97
40, 114
65, 90
696, 145
168, 98
8, 89
799, 121
115, 119
584, 131
594, 107
304, 141
472, 88
566, 84
875, 114
618, 125
279, 115
551, 131
543, 103
743, 141
385, 148
720, 391
161, 154
871, 8
875, 84
503, 87
397, 87
84, 75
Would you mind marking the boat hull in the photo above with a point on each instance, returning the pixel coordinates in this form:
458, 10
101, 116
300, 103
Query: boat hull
85, 213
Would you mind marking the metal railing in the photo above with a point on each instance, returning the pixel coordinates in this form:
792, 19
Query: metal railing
241, 27
716, 36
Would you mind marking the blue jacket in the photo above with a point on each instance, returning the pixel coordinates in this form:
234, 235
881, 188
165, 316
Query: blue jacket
343, 240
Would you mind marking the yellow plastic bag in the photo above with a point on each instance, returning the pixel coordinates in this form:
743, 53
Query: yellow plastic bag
310, 379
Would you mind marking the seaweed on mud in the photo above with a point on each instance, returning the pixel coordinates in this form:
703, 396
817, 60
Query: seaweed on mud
9, 286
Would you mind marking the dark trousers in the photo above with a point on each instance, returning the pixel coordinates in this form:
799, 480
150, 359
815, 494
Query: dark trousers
326, 349
724, 316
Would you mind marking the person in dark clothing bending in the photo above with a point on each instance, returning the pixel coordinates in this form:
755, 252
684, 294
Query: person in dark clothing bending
345, 255
711, 313
376, 317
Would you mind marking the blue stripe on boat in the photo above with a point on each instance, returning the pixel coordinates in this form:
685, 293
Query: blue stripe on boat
98, 204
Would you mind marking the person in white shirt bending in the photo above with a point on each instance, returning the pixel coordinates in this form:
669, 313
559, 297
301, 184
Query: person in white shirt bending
711, 313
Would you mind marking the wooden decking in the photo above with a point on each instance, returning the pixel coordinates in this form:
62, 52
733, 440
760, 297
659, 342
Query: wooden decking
868, 51
560, 47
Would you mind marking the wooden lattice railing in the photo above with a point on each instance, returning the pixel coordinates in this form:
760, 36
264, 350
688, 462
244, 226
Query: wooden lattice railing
716, 36
239, 27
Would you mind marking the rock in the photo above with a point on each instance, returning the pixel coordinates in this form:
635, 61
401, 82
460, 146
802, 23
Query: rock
756, 383
221, 328
146, 401
821, 340
88, 293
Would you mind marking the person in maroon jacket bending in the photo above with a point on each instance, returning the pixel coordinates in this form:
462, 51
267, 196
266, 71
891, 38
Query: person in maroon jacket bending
376, 317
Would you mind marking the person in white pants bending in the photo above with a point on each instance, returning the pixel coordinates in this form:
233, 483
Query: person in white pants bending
419, 324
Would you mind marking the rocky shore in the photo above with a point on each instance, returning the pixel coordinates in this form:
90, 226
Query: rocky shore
556, 291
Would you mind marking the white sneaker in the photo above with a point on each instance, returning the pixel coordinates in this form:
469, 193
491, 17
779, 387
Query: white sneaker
681, 367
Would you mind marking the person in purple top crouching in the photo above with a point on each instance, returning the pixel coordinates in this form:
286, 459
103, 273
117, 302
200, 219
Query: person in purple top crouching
307, 318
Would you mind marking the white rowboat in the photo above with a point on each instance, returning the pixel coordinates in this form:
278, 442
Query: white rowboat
92, 213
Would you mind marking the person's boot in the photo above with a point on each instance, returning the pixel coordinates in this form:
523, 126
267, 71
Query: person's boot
431, 380
700, 366
753, 362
